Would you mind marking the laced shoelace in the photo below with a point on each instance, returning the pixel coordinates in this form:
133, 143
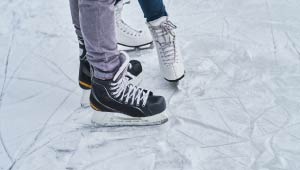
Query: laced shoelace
126, 92
128, 74
165, 37
128, 29
124, 26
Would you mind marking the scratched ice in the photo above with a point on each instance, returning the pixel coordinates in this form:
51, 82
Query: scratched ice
237, 108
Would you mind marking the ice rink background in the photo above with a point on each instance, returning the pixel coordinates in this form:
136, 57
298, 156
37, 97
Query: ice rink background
237, 109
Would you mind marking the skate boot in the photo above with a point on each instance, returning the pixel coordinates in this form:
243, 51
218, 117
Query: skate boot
170, 60
134, 74
119, 103
128, 36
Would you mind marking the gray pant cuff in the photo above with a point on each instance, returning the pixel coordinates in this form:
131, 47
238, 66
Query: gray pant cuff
103, 76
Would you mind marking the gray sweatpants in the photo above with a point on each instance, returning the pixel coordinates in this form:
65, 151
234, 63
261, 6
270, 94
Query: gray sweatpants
94, 21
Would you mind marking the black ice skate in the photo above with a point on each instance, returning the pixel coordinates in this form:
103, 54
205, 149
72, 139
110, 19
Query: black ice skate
119, 103
133, 75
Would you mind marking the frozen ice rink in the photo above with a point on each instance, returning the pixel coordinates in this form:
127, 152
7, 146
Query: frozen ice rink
237, 109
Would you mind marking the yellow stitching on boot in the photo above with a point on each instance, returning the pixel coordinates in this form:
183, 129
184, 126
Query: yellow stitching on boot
94, 107
85, 84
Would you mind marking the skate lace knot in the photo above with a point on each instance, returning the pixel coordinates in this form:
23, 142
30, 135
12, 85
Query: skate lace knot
128, 92
165, 37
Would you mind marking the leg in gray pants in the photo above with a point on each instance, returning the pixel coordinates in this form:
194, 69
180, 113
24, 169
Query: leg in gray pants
117, 102
94, 22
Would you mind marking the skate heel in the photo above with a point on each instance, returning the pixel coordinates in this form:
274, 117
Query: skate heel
110, 119
85, 98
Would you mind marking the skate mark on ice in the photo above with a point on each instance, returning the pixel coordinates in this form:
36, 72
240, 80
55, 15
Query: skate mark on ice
58, 68
77, 110
48, 142
284, 109
275, 48
285, 123
272, 33
215, 98
44, 126
23, 60
241, 104
215, 148
222, 117
172, 96
210, 146
254, 120
207, 126
2, 93
120, 156
49, 35
293, 45
101, 161
41, 82
26, 98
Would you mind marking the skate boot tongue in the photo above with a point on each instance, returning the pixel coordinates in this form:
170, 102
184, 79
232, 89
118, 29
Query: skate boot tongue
126, 91
165, 36
123, 68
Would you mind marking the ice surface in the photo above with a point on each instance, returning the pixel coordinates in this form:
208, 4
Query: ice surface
237, 109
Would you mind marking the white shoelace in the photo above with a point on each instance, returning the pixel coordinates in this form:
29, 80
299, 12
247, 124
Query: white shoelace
126, 91
123, 26
165, 37
129, 76
128, 29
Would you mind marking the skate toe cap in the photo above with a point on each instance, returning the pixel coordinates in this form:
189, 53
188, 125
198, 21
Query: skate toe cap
156, 104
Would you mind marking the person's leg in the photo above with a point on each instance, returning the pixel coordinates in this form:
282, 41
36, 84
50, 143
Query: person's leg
162, 30
98, 30
153, 9
115, 101
134, 71
126, 35
75, 17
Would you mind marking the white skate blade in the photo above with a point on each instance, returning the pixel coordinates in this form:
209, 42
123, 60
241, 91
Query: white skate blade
85, 98
110, 119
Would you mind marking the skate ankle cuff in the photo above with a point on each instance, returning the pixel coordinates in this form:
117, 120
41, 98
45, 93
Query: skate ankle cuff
158, 21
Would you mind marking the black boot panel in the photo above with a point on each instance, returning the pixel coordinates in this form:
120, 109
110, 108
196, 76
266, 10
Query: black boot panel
101, 94
136, 68
84, 75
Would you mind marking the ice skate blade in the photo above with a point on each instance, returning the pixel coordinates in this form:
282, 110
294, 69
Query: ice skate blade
177, 80
142, 45
110, 119
146, 46
85, 98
